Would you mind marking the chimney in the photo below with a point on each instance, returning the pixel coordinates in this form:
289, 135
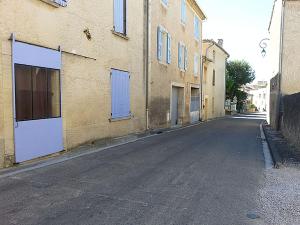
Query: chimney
220, 42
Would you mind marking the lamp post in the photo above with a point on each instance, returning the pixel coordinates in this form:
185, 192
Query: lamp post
263, 45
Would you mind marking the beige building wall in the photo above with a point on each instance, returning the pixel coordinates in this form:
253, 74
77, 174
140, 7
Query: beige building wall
86, 65
163, 76
214, 95
290, 82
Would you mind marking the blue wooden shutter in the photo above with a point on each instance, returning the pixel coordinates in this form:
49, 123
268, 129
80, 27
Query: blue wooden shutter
179, 56
165, 2
196, 27
159, 44
183, 11
196, 64
120, 94
185, 58
168, 48
119, 16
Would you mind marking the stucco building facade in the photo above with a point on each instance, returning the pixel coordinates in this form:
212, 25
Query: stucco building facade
70, 72
175, 46
284, 58
214, 80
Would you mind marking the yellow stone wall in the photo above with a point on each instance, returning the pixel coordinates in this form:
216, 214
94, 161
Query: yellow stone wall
86, 98
216, 92
290, 83
163, 76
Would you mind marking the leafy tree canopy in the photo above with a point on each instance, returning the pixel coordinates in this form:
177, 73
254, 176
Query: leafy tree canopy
238, 73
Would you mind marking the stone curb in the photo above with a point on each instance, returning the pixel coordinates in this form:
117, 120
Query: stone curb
277, 159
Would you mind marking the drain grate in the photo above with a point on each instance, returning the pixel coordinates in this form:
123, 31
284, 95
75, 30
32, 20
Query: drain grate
253, 216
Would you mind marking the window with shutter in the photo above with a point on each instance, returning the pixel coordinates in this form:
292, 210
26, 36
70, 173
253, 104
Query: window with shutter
183, 11
159, 44
168, 48
185, 58
196, 64
120, 16
165, 2
196, 27
163, 45
182, 56
120, 94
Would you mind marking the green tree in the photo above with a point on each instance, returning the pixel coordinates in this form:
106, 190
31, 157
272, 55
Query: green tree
238, 73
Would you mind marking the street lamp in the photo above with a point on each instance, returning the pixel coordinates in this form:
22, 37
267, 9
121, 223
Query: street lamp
263, 45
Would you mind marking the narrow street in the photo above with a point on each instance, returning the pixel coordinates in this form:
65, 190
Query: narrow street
209, 174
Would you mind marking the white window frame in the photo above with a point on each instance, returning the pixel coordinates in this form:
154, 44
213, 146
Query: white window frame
199, 27
182, 51
196, 64
165, 42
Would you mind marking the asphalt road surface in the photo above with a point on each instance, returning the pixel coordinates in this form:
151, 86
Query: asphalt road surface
207, 174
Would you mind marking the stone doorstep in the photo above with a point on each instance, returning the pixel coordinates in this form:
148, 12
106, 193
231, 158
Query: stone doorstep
282, 152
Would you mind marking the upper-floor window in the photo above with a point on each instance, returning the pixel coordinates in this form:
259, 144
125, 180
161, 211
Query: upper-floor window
163, 45
183, 11
196, 27
120, 16
214, 78
182, 56
196, 64
165, 2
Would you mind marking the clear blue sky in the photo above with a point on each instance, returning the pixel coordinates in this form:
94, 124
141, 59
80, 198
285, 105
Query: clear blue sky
242, 24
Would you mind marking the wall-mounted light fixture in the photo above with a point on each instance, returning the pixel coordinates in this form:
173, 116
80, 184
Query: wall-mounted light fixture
88, 34
263, 45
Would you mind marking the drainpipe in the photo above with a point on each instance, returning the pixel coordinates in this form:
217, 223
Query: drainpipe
279, 100
146, 59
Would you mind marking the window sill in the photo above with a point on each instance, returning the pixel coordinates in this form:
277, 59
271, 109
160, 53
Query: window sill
120, 35
120, 119
53, 3
163, 63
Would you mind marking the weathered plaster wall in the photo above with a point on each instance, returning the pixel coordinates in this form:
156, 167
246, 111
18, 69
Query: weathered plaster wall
291, 119
218, 91
162, 76
273, 55
290, 83
86, 98
274, 102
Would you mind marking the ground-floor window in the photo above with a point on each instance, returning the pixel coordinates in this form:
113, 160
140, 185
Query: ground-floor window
37, 93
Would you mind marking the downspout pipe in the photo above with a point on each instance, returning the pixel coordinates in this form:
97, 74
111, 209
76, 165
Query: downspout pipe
202, 97
146, 60
279, 100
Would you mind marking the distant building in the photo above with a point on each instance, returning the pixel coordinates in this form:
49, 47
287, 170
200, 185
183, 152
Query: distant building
257, 96
175, 62
213, 80
284, 56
